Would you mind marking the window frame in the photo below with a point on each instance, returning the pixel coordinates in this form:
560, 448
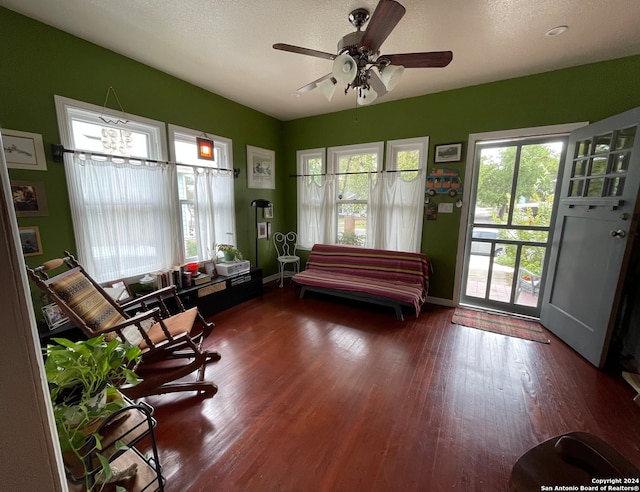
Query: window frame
326, 223
223, 148
334, 154
302, 165
68, 109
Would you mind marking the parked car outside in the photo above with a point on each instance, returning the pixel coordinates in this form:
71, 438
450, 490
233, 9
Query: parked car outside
484, 248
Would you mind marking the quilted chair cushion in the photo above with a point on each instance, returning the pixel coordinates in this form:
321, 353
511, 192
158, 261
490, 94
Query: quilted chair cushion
178, 325
84, 299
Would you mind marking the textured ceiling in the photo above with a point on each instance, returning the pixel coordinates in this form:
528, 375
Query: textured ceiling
225, 46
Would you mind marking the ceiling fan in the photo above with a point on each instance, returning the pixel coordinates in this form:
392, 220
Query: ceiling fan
359, 52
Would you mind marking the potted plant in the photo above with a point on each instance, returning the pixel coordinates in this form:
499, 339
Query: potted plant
229, 251
83, 378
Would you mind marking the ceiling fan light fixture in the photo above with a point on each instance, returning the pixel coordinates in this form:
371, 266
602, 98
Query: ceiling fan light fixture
345, 69
391, 75
366, 96
327, 87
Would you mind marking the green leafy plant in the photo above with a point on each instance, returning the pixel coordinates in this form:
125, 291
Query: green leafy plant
229, 251
351, 239
77, 372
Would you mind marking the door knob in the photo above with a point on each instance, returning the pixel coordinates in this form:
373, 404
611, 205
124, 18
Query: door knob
619, 233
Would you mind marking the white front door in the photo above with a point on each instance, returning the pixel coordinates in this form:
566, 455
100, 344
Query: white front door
593, 234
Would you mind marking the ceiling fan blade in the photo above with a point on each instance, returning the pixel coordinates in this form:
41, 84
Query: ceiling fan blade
385, 17
312, 85
420, 60
304, 51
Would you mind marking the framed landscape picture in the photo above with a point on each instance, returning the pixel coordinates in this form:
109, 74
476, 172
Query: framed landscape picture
261, 168
448, 152
23, 150
30, 241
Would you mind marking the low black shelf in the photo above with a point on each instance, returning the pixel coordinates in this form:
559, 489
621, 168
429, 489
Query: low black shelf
210, 297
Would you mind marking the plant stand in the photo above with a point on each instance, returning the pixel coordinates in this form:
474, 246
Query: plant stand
128, 426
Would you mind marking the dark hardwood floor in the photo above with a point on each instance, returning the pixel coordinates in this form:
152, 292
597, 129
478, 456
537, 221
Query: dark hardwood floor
318, 395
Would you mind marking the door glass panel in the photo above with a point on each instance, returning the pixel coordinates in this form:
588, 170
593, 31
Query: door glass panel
576, 187
621, 162
616, 186
502, 276
602, 144
529, 278
625, 138
599, 165
595, 187
582, 148
536, 182
478, 272
495, 180
580, 168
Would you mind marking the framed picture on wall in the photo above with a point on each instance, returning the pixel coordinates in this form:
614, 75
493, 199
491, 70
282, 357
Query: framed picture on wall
29, 198
262, 230
267, 212
448, 152
261, 168
23, 150
30, 240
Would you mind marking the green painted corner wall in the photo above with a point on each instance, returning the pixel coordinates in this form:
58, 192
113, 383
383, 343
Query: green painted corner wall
41, 62
583, 93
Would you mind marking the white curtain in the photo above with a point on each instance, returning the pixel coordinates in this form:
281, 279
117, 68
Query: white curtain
125, 215
396, 211
214, 210
316, 217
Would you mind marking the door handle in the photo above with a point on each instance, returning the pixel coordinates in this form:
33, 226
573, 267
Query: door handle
619, 234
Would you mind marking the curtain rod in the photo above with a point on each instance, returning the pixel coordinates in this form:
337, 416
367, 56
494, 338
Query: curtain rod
356, 172
58, 151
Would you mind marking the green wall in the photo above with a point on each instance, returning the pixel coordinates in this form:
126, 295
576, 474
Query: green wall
40, 61
584, 93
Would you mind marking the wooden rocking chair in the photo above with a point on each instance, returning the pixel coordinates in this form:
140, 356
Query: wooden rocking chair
162, 336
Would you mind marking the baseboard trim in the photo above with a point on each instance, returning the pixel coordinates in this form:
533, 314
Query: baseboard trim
272, 278
440, 301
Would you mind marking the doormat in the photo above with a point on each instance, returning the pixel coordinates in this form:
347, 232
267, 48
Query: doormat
502, 324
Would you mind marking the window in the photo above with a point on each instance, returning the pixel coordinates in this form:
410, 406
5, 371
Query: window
312, 194
130, 208
352, 201
205, 193
356, 168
